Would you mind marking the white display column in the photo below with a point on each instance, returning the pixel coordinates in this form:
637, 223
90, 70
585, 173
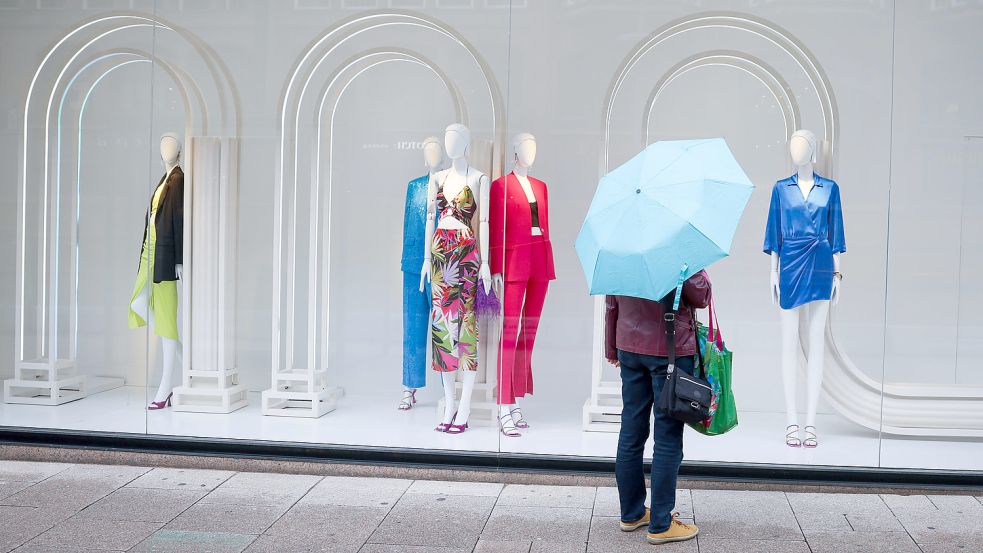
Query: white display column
210, 379
602, 411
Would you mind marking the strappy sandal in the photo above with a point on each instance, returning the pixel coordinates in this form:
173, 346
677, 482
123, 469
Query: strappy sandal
445, 426
409, 399
811, 440
792, 436
507, 426
457, 428
519, 422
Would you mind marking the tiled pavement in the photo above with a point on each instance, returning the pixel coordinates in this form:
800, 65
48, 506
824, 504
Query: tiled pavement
61, 508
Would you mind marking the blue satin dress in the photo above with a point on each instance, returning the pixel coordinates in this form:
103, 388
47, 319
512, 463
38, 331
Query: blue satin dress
416, 304
805, 232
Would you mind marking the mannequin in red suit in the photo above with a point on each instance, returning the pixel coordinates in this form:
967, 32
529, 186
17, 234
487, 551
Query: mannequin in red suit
522, 266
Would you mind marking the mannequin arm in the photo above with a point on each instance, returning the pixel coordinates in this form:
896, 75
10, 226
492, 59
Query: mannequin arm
835, 297
179, 271
483, 231
775, 291
428, 235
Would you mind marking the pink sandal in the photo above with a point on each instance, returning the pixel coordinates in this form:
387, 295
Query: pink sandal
156, 405
445, 427
457, 428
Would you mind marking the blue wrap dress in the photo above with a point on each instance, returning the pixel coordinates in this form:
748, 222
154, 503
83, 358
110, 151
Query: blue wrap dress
416, 304
805, 233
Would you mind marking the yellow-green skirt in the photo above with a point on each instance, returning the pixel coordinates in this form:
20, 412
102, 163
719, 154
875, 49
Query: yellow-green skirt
162, 300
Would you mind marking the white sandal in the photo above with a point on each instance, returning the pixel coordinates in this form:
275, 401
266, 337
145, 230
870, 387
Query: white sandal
409, 398
811, 440
507, 427
792, 436
517, 419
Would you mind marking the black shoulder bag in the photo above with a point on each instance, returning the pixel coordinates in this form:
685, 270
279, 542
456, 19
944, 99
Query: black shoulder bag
684, 397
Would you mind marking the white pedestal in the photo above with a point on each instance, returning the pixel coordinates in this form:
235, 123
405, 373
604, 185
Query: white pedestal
44, 383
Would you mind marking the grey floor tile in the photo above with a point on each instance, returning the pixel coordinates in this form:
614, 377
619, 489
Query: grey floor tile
860, 542
711, 545
437, 520
119, 474
436, 487
957, 504
543, 546
499, 546
19, 525
605, 536
255, 488
141, 505
98, 533
30, 471
357, 492
909, 504
947, 547
382, 548
63, 493
299, 544
227, 518
181, 479
329, 524
750, 515
554, 524
48, 548
10, 487
172, 541
843, 512
548, 496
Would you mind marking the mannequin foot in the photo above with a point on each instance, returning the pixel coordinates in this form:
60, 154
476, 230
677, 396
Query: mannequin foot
156, 405
517, 418
811, 440
507, 426
409, 399
442, 427
792, 436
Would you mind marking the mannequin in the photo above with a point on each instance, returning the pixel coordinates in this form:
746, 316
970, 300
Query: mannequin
522, 263
155, 294
804, 237
456, 262
416, 302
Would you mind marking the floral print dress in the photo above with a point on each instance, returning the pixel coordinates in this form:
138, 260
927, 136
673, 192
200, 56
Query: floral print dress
454, 285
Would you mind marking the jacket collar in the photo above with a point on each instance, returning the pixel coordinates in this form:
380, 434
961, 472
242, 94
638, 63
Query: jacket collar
817, 179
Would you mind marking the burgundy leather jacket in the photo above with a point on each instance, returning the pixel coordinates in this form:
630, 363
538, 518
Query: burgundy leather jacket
637, 325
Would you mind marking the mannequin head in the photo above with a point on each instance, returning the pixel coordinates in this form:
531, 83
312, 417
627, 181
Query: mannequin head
457, 138
170, 149
432, 154
802, 147
524, 146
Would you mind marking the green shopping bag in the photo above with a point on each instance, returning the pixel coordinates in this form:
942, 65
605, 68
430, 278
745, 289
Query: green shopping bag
717, 364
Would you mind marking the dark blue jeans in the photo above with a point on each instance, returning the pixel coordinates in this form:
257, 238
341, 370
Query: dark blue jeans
642, 379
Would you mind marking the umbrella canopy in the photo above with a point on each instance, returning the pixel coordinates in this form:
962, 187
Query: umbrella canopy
674, 205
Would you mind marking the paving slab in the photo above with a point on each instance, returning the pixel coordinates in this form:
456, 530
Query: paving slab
227, 518
299, 544
59, 492
435, 520
141, 505
860, 542
256, 488
10, 487
174, 541
97, 533
552, 524
501, 546
48, 548
542, 546
606, 536
182, 479
381, 548
119, 474
548, 496
843, 512
745, 515
712, 545
30, 471
338, 524
437, 487
19, 525
357, 492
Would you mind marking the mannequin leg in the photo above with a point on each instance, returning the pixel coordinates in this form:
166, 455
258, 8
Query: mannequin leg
790, 360
467, 392
170, 353
818, 312
448, 379
514, 295
532, 309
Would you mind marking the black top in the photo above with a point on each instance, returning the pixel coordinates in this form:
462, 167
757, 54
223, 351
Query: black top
534, 209
169, 224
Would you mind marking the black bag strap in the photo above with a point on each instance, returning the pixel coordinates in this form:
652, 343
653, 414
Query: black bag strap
670, 306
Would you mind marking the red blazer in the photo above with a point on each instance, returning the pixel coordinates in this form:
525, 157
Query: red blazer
514, 251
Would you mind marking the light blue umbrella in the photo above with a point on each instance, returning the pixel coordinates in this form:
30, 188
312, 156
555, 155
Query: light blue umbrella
672, 208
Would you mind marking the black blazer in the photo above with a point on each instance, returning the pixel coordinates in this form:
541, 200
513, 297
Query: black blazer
169, 224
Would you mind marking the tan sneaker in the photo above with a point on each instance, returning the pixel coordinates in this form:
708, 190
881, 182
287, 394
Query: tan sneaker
678, 531
632, 526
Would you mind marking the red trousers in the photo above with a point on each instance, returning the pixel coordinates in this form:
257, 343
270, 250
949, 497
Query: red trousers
521, 306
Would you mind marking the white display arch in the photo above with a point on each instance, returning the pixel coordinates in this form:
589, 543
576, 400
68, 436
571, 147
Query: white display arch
892, 408
300, 387
45, 370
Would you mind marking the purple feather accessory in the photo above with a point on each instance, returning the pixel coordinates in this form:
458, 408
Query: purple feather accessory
487, 305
